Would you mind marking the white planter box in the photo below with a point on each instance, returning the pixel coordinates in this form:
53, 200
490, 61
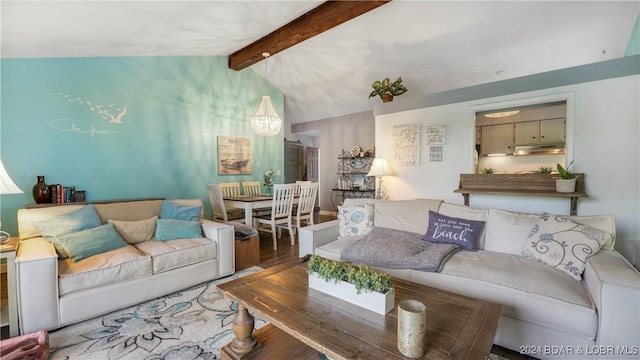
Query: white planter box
377, 302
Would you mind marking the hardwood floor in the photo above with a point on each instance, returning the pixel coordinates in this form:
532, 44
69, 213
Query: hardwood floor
285, 252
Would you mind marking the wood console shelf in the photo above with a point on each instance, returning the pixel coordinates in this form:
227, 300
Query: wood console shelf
45, 205
519, 185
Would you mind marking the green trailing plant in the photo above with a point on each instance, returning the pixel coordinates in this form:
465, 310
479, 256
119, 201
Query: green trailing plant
387, 87
361, 276
564, 173
488, 171
545, 169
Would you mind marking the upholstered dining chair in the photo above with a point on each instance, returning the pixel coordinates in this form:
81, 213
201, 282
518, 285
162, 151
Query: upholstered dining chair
306, 202
220, 212
280, 213
230, 189
251, 187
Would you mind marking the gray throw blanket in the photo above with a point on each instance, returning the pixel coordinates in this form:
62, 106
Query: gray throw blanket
396, 249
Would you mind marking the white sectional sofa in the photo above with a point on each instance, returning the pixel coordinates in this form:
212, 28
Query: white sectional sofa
55, 292
548, 313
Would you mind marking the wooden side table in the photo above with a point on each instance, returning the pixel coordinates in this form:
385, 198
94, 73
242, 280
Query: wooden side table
247, 252
10, 310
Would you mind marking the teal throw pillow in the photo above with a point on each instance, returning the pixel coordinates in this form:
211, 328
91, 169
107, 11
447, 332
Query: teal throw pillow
171, 229
81, 219
172, 210
83, 244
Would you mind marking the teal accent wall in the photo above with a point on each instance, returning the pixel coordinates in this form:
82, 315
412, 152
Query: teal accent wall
66, 119
633, 47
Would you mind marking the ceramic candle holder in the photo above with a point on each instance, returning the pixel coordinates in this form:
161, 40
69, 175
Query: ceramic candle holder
412, 328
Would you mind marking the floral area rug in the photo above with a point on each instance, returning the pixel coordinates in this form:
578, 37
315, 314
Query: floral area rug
190, 324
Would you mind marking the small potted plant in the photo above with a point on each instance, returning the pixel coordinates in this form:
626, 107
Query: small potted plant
545, 169
488, 171
269, 179
356, 283
566, 183
387, 89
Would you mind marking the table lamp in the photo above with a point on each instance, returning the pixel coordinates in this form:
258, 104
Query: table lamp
380, 168
7, 186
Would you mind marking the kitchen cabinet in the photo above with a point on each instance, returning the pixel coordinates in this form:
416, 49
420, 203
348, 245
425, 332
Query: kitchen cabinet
539, 132
552, 131
497, 139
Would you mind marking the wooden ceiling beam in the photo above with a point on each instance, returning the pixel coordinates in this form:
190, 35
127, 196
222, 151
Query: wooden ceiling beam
322, 18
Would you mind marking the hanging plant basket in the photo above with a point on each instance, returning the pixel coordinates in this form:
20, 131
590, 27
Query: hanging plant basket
387, 89
386, 97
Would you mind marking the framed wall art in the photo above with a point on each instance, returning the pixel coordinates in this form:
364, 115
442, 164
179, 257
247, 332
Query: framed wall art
435, 153
406, 145
234, 156
436, 135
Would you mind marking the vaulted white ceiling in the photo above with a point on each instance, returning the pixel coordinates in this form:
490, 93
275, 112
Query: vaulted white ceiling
434, 45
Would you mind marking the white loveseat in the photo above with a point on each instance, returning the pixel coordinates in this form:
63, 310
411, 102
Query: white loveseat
548, 313
56, 292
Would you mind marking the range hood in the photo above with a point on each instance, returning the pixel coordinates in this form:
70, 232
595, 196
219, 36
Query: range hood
542, 149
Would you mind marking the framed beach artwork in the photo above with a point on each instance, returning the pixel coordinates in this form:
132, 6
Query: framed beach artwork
406, 145
234, 156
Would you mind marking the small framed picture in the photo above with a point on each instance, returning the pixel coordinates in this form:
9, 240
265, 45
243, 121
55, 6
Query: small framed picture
436, 135
435, 153
79, 196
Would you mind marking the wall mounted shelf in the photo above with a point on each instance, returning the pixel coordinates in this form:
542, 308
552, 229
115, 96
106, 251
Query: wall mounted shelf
519, 185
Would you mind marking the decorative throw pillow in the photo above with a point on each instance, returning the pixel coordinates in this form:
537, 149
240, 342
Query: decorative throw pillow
171, 229
563, 244
83, 244
81, 219
355, 220
450, 230
171, 210
135, 231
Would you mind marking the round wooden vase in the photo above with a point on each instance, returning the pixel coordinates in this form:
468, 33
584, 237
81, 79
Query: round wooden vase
41, 193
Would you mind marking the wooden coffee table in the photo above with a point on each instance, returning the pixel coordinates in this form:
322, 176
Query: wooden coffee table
304, 321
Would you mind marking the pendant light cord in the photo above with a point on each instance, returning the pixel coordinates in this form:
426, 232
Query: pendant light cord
266, 55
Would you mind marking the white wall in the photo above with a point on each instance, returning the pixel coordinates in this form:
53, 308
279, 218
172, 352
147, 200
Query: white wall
334, 135
603, 138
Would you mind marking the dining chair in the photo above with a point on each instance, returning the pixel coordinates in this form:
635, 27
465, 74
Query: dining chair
306, 202
280, 213
298, 183
230, 189
251, 187
222, 213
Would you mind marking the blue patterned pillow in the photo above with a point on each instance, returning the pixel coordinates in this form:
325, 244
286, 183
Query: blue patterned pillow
355, 220
81, 219
563, 244
171, 210
171, 229
83, 244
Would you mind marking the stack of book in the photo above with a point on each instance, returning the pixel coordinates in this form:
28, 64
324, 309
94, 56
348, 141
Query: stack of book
62, 194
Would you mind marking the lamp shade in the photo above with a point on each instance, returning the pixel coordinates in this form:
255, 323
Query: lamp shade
380, 167
7, 186
266, 121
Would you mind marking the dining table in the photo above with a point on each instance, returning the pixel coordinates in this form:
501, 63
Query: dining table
249, 203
